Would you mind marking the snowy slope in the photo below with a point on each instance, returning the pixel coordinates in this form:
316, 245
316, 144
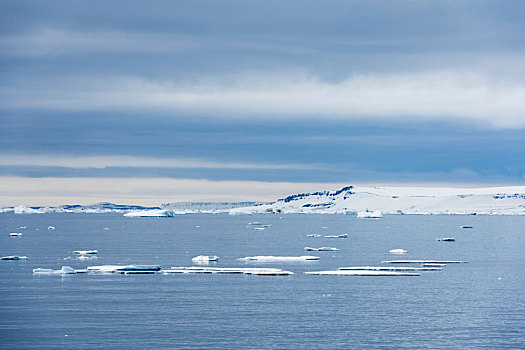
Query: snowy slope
400, 200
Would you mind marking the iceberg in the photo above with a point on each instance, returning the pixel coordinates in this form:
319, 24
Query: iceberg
397, 251
337, 236
271, 258
13, 257
15, 234
51, 227
205, 258
22, 209
361, 273
370, 214
65, 270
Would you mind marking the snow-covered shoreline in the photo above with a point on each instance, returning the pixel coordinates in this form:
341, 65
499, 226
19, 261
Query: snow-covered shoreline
365, 202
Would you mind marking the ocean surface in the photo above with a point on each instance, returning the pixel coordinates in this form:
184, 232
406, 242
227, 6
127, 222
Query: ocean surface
479, 305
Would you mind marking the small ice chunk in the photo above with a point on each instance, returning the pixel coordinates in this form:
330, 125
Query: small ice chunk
423, 262
51, 227
370, 214
65, 270
344, 235
313, 235
271, 258
205, 258
361, 273
321, 249
260, 228
466, 226
15, 234
13, 257
85, 252
449, 239
397, 251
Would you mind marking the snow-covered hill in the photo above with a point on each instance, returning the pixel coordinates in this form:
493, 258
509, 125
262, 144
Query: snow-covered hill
400, 200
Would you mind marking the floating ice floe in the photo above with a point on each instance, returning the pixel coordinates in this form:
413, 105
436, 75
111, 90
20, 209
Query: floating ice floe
423, 262
391, 268
85, 252
87, 257
154, 213
465, 226
13, 257
226, 270
313, 235
361, 273
446, 239
51, 227
65, 270
271, 258
205, 258
22, 209
124, 269
321, 249
15, 234
370, 214
397, 251
337, 236
433, 265
260, 228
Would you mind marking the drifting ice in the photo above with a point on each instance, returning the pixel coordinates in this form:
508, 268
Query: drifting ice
361, 273
397, 251
65, 270
15, 234
322, 249
423, 262
13, 257
205, 258
337, 236
270, 258
389, 268
370, 214
85, 252
240, 270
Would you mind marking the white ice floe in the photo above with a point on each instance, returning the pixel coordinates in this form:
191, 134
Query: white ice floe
361, 273
260, 228
13, 257
65, 270
226, 270
465, 226
397, 251
423, 262
271, 258
124, 269
449, 239
205, 258
321, 249
15, 234
22, 209
433, 265
87, 257
154, 213
313, 235
51, 227
370, 214
344, 235
85, 252
390, 268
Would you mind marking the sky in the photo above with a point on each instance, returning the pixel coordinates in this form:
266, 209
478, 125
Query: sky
147, 103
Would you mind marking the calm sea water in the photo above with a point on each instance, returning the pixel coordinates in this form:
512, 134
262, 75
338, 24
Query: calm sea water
477, 305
